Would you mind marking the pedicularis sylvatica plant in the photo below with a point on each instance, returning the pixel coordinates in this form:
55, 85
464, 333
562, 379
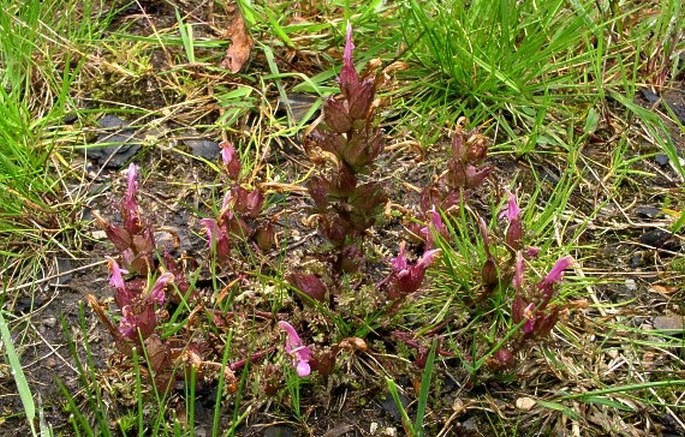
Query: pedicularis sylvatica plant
239, 219
152, 288
351, 140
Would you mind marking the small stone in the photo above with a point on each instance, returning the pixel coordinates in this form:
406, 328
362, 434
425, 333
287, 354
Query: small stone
631, 285
469, 426
647, 211
636, 261
204, 148
649, 95
525, 403
50, 363
390, 431
278, 431
50, 322
668, 324
656, 238
99, 235
662, 160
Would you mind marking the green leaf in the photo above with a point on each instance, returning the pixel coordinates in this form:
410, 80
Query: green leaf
591, 122
561, 408
608, 402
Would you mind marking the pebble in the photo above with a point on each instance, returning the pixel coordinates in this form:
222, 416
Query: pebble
99, 235
204, 148
469, 426
50, 322
668, 324
525, 403
662, 160
631, 285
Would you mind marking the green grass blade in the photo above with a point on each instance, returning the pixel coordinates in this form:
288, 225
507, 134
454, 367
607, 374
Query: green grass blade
18, 374
425, 390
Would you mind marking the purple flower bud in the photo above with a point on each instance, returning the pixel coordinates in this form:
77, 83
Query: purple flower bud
518, 308
335, 229
343, 182
348, 75
545, 324
293, 345
309, 284
231, 159
132, 189
265, 237
513, 212
360, 99
119, 236
503, 359
328, 142
458, 149
556, 273
490, 274
532, 252
254, 203
368, 198
475, 176
132, 222
319, 189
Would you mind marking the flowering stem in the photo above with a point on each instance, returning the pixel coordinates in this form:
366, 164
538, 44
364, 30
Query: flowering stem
237, 365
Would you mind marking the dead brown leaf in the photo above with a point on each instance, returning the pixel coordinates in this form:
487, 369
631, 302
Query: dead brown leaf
241, 45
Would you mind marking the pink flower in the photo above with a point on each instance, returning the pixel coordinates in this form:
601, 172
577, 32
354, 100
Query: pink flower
117, 280
555, 275
157, 294
536, 310
404, 278
513, 212
513, 215
293, 345
231, 159
132, 189
435, 226
218, 238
